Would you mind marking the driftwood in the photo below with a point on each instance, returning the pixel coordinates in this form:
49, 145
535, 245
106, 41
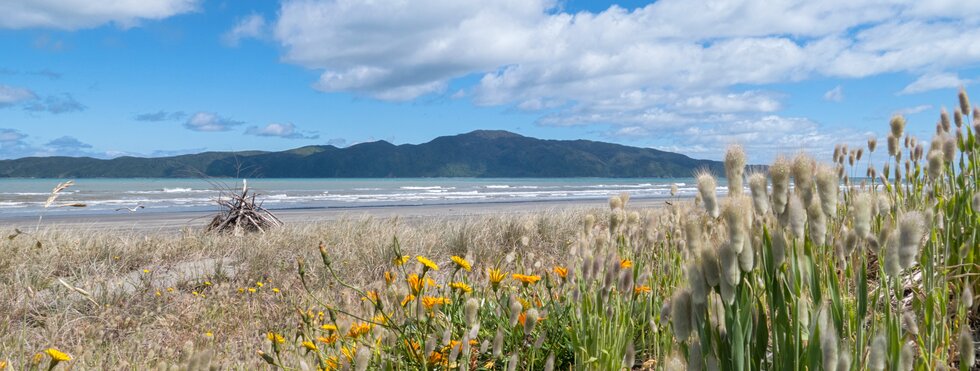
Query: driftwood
240, 213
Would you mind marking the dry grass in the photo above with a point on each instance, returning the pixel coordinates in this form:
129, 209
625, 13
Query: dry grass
142, 308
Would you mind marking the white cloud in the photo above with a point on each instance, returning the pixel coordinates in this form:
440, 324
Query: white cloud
252, 26
210, 121
12, 95
834, 95
913, 110
56, 104
286, 130
672, 63
934, 81
76, 14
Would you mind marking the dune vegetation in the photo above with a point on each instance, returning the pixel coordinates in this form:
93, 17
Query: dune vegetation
843, 265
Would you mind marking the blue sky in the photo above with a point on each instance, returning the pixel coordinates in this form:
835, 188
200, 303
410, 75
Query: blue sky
161, 77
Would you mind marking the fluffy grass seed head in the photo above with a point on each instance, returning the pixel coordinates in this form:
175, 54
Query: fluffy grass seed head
818, 224
897, 124
710, 267
910, 228
893, 146
734, 168
964, 101
803, 177
827, 186
728, 262
861, 214
680, 314
706, 188
893, 266
796, 216
760, 199
906, 360
746, 258
515, 312
879, 349
530, 319
737, 217
780, 172
872, 143
695, 279
968, 352
828, 339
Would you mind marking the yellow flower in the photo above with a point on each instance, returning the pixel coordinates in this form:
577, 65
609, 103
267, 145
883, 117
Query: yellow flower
57, 355
561, 271
207, 283
642, 289
461, 263
146, 271
431, 301
241, 290
333, 363
3, 365
158, 293
380, 318
259, 284
414, 283
372, 295
495, 276
527, 279
349, 352
358, 329
309, 345
170, 289
275, 290
400, 260
429, 264
327, 340
390, 277
195, 293
251, 290
329, 327
274, 337
461, 286
37, 358
408, 299
209, 334
625, 263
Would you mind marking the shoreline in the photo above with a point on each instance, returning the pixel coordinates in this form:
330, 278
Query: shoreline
177, 220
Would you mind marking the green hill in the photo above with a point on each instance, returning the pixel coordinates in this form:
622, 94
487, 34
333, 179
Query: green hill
481, 153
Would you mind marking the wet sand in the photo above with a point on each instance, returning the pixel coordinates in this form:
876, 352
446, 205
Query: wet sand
174, 221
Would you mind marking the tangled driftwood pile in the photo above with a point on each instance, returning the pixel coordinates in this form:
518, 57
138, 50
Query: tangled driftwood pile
240, 213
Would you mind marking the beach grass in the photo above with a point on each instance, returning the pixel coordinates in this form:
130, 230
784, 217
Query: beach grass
849, 264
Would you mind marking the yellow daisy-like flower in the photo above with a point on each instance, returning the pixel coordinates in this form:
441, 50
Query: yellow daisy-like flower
209, 334
462, 263
429, 264
561, 271
380, 318
390, 277
495, 276
414, 283
461, 286
309, 345
527, 279
358, 329
259, 284
625, 263
431, 301
57, 355
207, 283
251, 290
274, 337
328, 339
407, 299
275, 290
146, 271
372, 296
3, 365
328, 327
400, 260
642, 289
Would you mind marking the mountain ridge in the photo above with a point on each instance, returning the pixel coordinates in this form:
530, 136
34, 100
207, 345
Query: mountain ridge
479, 153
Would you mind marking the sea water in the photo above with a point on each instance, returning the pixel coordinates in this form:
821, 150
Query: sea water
20, 197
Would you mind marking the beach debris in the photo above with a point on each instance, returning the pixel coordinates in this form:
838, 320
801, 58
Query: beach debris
240, 214
57, 192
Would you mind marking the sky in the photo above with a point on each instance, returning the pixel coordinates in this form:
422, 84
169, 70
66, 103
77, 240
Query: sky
166, 77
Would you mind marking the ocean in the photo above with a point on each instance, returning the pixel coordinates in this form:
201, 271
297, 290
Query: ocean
25, 197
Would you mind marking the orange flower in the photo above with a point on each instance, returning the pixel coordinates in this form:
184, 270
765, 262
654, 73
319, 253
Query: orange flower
527, 279
328, 339
390, 277
431, 301
642, 289
625, 263
358, 329
428, 264
561, 271
408, 299
414, 283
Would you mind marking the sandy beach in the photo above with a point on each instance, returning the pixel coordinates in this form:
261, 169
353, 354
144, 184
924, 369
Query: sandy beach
172, 221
